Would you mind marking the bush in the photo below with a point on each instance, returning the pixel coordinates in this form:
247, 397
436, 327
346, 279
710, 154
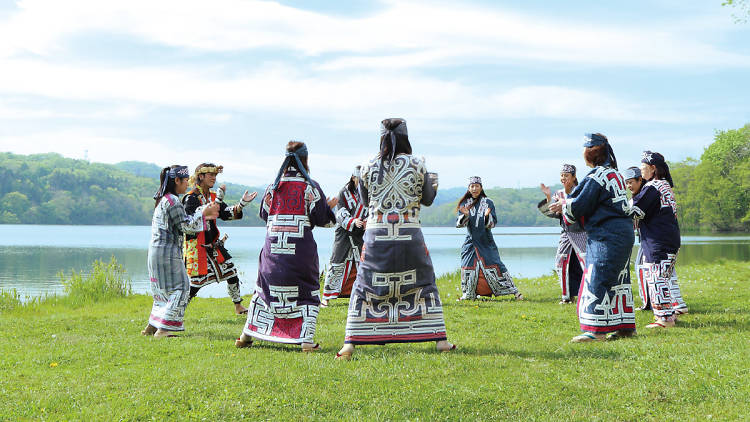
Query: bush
105, 281
9, 300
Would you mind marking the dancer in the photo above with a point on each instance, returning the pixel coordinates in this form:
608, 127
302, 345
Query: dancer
284, 308
206, 258
600, 204
394, 298
169, 281
347, 245
634, 182
482, 271
656, 211
571, 249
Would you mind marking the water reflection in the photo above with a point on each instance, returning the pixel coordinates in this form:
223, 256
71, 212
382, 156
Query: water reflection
32, 256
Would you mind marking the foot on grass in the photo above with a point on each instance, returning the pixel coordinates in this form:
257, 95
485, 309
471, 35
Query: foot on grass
160, 333
444, 346
148, 331
239, 309
346, 352
243, 341
587, 337
662, 323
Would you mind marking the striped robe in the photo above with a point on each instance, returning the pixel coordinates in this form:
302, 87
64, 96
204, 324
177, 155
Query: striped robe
570, 258
347, 246
170, 284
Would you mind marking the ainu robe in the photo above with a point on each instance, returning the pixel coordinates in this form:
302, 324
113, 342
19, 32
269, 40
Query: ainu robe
206, 258
284, 308
571, 250
347, 246
655, 211
600, 204
482, 271
394, 298
170, 284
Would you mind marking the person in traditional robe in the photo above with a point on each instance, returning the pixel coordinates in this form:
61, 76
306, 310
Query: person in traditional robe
655, 211
207, 259
600, 204
169, 281
634, 183
394, 298
482, 271
347, 244
571, 249
284, 308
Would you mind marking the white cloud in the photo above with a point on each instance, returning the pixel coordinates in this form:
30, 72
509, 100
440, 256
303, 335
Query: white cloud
400, 34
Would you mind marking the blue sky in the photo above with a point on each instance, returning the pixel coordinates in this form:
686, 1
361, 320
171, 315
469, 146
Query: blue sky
504, 90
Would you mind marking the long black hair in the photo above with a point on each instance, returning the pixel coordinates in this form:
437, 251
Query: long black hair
170, 188
468, 195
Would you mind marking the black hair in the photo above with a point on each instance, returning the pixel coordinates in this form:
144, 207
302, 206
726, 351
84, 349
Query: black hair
170, 188
468, 195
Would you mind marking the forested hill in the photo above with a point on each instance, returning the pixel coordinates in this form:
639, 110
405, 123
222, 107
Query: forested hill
713, 193
51, 189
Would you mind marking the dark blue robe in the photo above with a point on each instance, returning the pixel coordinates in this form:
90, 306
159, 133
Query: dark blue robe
600, 204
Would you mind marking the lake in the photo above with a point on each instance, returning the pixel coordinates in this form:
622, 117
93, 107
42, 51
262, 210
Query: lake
31, 256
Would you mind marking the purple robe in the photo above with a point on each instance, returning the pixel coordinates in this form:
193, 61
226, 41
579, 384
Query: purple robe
284, 308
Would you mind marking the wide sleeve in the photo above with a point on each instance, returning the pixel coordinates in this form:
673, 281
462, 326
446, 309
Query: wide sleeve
185, 223
491, 220
265, 204
543, 207
227, 213
364, 195
191, 204
429, 192
461, 219
644, 202
320, 213
582, 202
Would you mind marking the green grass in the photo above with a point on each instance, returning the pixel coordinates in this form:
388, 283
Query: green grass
61, 361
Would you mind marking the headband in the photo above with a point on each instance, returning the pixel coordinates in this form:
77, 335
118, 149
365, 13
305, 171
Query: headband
568, 168
596, 139
181, 172
656, 159
631, 173
475, 179
293, 158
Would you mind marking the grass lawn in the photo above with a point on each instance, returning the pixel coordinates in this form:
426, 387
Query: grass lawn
62, 361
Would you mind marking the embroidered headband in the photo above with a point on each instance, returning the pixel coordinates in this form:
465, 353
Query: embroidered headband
631, 173
568, 168
656, 159
475, 179
293, 158
181, 172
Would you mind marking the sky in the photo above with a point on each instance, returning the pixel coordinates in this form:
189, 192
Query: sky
499, 89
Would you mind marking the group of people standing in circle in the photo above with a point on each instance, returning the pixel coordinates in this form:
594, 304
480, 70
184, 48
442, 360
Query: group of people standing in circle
380, 259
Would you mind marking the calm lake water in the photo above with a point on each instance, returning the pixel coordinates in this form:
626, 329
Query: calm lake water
31, 256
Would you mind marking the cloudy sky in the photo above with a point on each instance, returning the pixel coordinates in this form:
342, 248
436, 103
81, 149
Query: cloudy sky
504, 90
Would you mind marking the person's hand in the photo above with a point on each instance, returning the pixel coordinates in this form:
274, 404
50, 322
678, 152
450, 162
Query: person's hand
332, 202
211, 212
359, 223
463, 210
556, 207
487, 212
547, 192
267, 200
248, 197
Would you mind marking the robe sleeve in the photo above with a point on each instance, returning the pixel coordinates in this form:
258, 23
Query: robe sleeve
320, 213
490, 220
363, 193
644, 202
265, 207
461, 219
584, 203
428, 192
543, 207
190, 224
191, 204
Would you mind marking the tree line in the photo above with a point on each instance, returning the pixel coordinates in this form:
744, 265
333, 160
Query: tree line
713, 192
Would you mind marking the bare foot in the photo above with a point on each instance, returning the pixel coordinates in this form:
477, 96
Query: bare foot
519, 296
149, 330
346, 352
239, 309
310, 347
164, 333
444, 346
324, 303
